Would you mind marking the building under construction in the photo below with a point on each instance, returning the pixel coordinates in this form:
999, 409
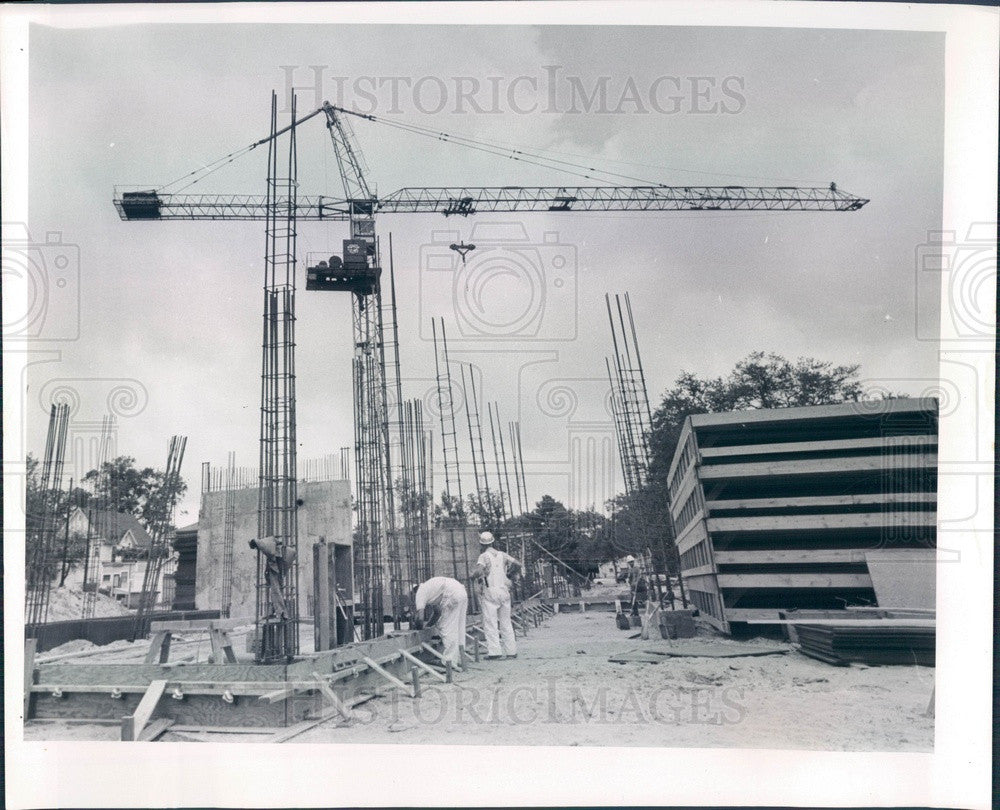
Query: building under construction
302, 575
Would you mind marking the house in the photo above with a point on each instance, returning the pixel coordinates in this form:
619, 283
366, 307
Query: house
820, 508
122, 552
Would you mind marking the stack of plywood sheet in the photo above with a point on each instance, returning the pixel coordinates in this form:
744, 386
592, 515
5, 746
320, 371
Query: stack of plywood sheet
870, 641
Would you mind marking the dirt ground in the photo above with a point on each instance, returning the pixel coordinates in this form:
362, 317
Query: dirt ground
562, 690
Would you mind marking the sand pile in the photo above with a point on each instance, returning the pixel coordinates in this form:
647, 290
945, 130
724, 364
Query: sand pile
66, 604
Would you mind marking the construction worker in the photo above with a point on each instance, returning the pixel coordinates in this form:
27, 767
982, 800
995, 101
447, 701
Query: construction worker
444, 603
276, 562
636, 584
492, 569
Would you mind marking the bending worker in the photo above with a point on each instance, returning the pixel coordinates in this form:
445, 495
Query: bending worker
492, 569
443, 601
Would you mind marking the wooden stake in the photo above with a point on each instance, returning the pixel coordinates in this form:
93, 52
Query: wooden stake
415, 678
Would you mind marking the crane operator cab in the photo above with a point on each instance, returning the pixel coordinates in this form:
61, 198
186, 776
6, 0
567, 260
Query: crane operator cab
350, 273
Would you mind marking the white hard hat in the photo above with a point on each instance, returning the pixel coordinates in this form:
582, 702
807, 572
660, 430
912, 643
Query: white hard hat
630, 558
486, 538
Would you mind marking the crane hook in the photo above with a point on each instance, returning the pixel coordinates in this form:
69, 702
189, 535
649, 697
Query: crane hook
462, 249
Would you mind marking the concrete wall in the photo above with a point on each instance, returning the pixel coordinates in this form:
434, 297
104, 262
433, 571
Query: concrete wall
325, 512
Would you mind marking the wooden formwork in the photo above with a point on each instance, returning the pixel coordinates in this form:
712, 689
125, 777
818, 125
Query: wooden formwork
219, 695
148, 698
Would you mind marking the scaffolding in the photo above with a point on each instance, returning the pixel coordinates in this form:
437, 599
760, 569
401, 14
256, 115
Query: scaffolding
276, 630
42, 524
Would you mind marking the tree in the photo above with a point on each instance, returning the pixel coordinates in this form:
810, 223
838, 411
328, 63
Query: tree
488, 508
62, 552
449, 513
758, 381
121, 487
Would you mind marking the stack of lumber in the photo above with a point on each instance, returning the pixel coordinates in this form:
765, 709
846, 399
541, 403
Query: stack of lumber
869, 641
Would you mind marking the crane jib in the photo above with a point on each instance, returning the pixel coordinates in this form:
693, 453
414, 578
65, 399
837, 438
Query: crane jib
450, 201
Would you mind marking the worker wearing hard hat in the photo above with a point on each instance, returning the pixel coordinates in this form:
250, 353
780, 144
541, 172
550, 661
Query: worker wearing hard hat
492, 569
636, 583
444, 603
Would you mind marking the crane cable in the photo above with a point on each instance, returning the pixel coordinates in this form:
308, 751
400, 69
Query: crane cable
514, 152
207, 169
521, 155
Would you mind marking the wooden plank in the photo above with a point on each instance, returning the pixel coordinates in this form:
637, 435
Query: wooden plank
80, 721
142, 674
763, 469
823, 500
849, 622
155, 729
222, 647
305, 725
200, 624
159, 647
862, 412
333, 698
699, 571
790, 556
903, 578
691, 536
133, 724
424, 666
226, 730
186, 687
819, 446
388, 676
805, 580
30, 647
860, 520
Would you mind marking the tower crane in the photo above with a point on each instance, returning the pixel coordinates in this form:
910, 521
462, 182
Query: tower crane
358, 271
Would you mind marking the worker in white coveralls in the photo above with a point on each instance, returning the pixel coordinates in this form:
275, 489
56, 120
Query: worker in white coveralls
492, 569
444, 603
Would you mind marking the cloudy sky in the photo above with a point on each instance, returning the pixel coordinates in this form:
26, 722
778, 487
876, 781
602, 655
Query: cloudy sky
164, 318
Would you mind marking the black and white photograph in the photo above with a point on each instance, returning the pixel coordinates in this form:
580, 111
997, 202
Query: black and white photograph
592, 402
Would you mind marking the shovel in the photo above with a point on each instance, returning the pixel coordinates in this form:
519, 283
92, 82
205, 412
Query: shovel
620, 618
